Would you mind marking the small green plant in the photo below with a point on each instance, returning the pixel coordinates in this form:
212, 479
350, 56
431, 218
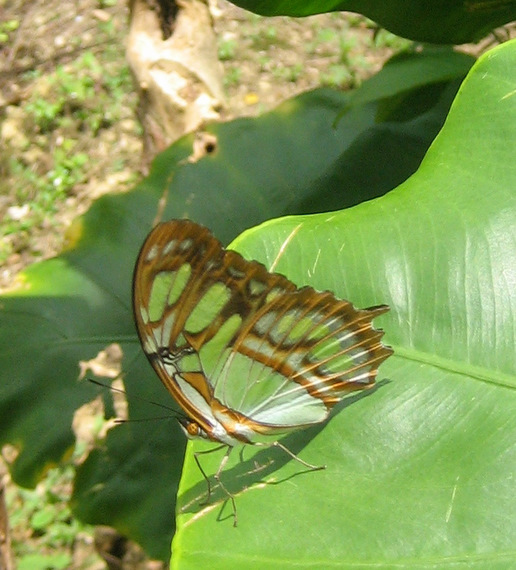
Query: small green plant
326, 35
355, 20
384, 39
290, 73
31, 74
45, 561
232, 77
227, 49
68, 170
337, 75
347, 45
264, 61
263, 38
81, 92
43, 514
107, 3
44, 113
323, 43
75, 100
6, 28
38, 197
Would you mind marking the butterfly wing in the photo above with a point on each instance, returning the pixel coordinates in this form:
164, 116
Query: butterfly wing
244, 351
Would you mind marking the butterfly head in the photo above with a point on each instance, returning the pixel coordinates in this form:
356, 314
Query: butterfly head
216, 433
191, 428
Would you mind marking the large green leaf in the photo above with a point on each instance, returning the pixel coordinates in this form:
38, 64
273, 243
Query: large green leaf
68, 309
420, 473
451, 22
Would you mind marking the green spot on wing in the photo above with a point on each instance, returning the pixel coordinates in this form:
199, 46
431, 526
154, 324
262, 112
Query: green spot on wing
273, 294
159, 293
208, 307
285, 324
300, 329
166, 289
292, 327
256, 287
180, 281
210, 353
325, 349
189, 363
319, 332
336, 354
339, 364
264, 323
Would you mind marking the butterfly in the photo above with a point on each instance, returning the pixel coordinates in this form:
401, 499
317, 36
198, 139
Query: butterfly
246, 354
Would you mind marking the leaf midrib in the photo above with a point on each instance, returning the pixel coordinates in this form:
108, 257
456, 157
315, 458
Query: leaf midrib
479, 373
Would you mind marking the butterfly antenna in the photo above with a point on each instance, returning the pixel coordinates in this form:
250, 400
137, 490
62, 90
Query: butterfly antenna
175, 413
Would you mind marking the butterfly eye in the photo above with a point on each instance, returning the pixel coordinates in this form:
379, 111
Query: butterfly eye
192, 429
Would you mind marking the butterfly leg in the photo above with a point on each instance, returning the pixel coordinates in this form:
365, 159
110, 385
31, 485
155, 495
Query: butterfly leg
294, 456
223, 487
217, 477
206, 478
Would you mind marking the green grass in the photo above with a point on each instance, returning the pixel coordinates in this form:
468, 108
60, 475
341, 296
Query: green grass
227, 49
290, 73
232, 77
42, 515
6, 28
74, 101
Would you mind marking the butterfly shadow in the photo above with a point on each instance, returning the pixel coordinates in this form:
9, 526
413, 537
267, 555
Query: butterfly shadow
261, 469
